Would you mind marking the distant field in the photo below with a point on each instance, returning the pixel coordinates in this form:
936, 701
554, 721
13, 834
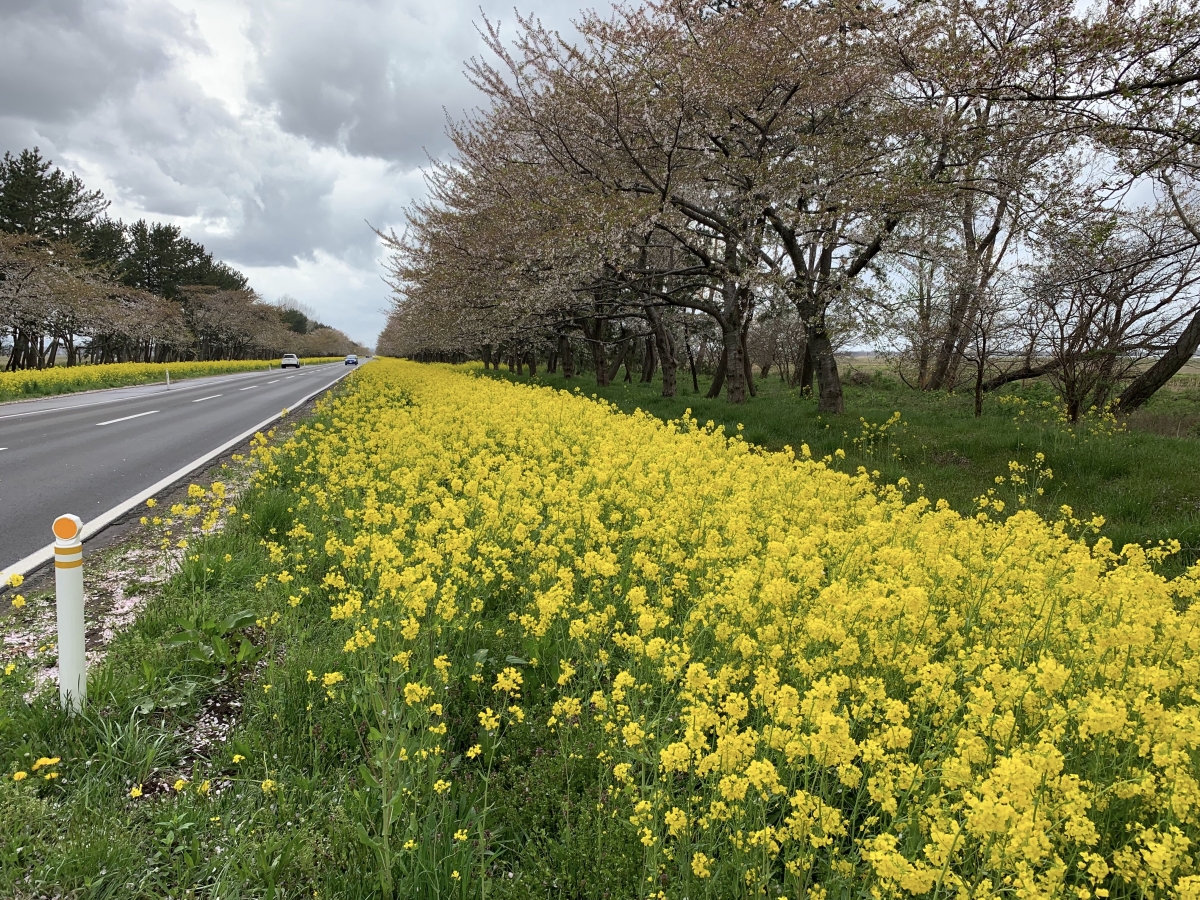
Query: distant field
65, 380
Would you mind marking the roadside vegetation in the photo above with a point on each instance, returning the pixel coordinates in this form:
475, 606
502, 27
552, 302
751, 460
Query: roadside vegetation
1138, 472
466, 638
68, 379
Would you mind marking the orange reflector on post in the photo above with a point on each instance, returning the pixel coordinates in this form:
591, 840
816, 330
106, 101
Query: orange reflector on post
66, 528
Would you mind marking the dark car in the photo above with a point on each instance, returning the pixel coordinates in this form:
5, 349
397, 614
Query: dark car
352, 360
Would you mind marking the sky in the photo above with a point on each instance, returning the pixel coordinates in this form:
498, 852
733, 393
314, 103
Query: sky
271, 131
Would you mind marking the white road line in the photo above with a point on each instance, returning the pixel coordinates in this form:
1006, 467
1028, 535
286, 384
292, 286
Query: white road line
127, 418
213, 397
248, 388
276, 381
289, 376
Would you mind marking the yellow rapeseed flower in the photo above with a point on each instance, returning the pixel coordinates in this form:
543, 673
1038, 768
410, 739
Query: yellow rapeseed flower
779, 662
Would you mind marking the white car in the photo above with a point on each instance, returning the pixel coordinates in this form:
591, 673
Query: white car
352, 360
289, 361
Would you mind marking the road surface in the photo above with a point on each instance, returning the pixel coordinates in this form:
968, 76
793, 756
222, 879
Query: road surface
86, 453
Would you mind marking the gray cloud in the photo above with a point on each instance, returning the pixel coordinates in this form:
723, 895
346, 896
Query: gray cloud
268, 130
59, 58
371, 77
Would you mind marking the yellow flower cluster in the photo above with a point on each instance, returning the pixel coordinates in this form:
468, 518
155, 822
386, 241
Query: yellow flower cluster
66, 379
207, 505
800, 681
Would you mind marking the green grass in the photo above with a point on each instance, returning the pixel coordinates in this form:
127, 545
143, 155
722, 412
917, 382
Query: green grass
1143, 483
83, 834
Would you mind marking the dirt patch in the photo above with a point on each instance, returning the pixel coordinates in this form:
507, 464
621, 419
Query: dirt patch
950, 458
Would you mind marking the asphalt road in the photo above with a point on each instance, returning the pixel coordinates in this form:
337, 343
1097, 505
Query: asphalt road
86, 453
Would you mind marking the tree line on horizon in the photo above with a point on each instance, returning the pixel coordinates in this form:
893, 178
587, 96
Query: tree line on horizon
985, 191
77, 286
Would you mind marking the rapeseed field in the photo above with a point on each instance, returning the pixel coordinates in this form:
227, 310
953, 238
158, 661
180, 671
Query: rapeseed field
761, 677
68, 379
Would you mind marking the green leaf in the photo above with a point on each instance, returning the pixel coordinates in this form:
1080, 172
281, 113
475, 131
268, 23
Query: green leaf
201, 653
247, 652
366, 838
243, 619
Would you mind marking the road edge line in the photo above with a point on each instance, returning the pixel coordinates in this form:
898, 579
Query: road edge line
39, 558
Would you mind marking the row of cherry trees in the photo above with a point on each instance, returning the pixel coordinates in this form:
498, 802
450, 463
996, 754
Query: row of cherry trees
77, 286
985, 189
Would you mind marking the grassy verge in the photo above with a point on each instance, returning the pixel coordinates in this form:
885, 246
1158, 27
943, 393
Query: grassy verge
66, 380
193, 771
1142, 480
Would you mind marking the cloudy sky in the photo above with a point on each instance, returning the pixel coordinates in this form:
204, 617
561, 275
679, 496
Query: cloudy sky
271, 131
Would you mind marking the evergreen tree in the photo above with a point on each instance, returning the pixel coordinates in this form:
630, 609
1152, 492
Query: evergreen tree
37, 199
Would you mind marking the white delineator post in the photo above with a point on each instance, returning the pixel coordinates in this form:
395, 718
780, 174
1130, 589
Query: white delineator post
68, 584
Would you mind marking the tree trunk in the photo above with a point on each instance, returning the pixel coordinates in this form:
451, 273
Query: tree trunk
955, 325
747, 365
618, 360
552, 362
665, 345
486, 352
960, 349
829, 382
1145, 385
568, 358
532, 363
687, 342
807, 371
649, 361
596, 333
18, 351
735, 368
1026, 371
979, 386
714, 390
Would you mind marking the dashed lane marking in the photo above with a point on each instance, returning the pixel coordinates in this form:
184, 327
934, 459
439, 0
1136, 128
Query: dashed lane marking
127, 418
